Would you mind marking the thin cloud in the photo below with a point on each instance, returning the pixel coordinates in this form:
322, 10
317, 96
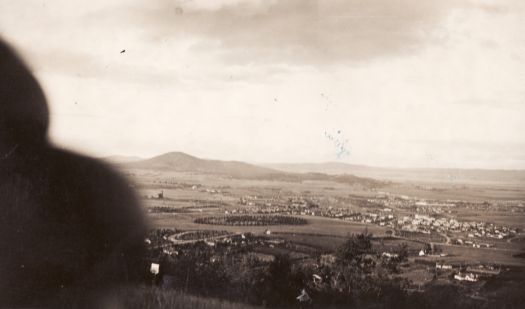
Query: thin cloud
85, 65
299, 31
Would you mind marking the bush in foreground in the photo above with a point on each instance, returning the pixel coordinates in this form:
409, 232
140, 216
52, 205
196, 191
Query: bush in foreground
156, 298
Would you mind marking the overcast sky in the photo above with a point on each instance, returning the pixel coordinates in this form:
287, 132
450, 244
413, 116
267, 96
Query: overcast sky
404, 83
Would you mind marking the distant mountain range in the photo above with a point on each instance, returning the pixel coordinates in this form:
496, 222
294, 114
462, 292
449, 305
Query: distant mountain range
182, 162
335, 171
429, 175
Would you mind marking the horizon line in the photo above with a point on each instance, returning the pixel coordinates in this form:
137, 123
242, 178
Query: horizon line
266, 164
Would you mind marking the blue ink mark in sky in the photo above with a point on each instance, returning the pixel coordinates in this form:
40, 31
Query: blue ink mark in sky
430, 157
328, 101
452, 177
339, 143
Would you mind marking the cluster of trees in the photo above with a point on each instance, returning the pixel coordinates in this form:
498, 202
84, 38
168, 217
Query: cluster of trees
232, 273
159, 236
252, 220
355, 276
201, 234
166, 209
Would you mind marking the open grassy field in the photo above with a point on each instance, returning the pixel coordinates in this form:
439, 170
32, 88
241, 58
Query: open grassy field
455, 191
320, 241
315, 225
469, 255
332, 242
500, 218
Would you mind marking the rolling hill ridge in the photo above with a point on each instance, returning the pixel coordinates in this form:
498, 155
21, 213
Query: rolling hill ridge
182, 162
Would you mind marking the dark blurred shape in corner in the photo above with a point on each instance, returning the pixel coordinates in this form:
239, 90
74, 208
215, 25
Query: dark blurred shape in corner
71, 229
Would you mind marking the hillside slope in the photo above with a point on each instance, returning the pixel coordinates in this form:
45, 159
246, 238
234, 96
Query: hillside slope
182, 162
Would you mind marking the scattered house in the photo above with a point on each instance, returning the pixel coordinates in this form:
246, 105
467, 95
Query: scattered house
275, 241
467, 277
327, 259
267, 232
369, 258
443, 266
389, 255
154, 268
422, 252
484, 270
147, 241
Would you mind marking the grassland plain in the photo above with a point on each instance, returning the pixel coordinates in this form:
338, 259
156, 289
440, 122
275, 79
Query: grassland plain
471, 255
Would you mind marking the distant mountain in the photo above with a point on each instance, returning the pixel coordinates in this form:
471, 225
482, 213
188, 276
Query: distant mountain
182, 162
429, 175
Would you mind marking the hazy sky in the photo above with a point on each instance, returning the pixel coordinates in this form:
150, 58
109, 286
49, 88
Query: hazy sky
419, 83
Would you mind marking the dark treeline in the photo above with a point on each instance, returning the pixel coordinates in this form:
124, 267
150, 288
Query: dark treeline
194, 235
252, 220
167, 209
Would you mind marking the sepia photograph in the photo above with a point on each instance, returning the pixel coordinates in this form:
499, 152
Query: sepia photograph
252, 154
